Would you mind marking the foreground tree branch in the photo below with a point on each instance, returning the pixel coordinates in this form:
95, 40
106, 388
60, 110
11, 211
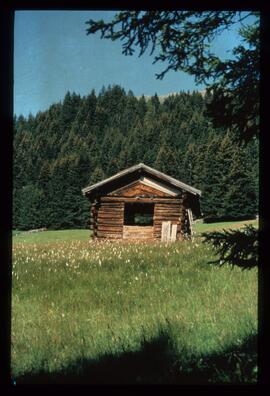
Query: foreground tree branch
182, 40
235, 247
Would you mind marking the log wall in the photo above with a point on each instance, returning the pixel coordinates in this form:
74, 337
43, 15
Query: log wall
110, 220
167, 212
107, 218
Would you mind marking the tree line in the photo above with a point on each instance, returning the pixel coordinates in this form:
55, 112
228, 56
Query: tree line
83, 140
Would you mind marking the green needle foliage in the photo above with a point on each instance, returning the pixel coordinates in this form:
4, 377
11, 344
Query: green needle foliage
58, 152
235, 247
182, 40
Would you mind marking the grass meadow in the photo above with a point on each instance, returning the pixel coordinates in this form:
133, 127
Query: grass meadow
91, 312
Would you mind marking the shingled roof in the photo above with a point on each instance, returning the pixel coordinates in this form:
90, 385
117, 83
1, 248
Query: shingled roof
139, 169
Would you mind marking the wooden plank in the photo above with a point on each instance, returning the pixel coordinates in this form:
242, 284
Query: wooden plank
138, 232
162, 216
135, 229
111, 213
159, 220
152, 200
101, 234
110, 221
170, 210
110, 229
170, 190
111, 209
105, 214
110, 201
113, 205
173, 232
113, 232
165, 231
190, 217
167, 208
139, 188
170, 204
166, 212
159, 225
109, 225
138, 237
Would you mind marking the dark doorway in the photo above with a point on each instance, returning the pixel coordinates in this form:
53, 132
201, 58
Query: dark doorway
139, 214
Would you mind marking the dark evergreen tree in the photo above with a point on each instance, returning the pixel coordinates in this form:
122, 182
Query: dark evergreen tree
240, 198
28, 207
84, 140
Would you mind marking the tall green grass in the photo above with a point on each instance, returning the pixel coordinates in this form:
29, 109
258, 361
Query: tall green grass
81, 301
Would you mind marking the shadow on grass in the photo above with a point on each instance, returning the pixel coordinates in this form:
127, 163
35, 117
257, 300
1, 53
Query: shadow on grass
156, 363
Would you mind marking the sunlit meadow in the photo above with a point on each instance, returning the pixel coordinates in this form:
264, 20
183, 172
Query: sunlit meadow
77, 299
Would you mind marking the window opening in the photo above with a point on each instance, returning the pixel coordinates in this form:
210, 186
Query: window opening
139, 214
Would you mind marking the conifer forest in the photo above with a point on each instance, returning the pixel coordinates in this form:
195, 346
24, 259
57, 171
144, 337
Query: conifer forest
82, 140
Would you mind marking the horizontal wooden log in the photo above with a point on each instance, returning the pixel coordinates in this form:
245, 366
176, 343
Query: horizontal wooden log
166, 212
102, 234
109, 209
138, 232
166, 218
110, 203
177, 211
137, 228
110, 229
148, 200
168, 206
163, 215
110, 221
109, 215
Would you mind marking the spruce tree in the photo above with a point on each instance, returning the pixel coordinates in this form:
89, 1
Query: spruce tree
240, 197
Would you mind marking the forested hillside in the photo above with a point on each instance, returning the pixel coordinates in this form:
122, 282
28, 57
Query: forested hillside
85, 139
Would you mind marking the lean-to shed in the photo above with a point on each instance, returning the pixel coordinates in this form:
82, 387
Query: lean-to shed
142, 203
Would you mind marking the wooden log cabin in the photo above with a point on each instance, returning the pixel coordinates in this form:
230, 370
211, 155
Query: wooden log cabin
141, 203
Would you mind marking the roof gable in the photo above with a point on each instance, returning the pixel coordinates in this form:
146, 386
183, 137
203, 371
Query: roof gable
144, 187
134, 173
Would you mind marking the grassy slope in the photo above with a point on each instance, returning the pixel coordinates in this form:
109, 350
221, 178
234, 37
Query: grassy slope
201, 227
52, 236
79, 302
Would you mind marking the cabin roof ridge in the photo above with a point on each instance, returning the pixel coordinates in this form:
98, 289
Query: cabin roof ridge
169, 179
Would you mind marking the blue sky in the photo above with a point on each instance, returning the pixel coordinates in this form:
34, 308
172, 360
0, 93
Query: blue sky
53, 54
